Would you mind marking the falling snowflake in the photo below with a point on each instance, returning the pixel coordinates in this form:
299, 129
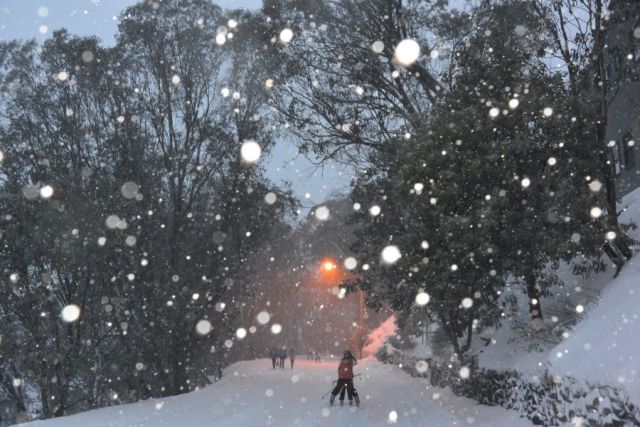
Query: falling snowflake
350, 263
390, 254
70, 313
322, 213
250, 151
286, 35
46, 192
203, 327
422, 298
407, 52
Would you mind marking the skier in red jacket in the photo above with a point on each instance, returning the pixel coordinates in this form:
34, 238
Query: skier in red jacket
345, 380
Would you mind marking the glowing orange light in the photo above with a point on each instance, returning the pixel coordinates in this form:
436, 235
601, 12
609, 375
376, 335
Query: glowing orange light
329, 273
328, 266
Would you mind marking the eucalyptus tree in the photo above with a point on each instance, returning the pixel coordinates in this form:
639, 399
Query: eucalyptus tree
343, 89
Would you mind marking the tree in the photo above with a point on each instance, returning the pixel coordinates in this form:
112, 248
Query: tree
578, 30
182, 80
537, 203
126, 197
339, 89
487, 190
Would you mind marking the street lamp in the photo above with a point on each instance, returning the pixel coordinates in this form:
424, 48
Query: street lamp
335, 275
328, 265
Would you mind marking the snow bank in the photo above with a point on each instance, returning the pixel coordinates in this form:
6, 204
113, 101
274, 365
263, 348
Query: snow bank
605, 347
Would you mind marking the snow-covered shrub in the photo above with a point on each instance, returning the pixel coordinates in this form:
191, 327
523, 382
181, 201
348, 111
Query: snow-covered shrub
547, 400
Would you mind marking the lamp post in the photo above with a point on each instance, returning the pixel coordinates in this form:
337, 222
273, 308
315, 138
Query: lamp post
336, 275
362, 326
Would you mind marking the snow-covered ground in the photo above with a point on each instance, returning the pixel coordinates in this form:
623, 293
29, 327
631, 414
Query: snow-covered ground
253, 394
603, 347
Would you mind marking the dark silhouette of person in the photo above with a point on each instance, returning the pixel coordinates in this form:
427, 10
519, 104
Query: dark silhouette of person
345, 380
282, 354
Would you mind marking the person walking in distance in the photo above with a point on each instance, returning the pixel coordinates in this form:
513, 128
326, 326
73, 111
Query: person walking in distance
273, 353
282, 354
345, 380
292, 356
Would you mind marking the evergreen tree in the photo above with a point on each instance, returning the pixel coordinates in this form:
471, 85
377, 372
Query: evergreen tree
486, 191
129, 212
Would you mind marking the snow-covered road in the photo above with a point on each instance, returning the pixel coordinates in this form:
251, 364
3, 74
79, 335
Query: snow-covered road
253, 394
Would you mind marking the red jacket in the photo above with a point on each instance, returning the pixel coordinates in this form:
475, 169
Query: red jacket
345, 369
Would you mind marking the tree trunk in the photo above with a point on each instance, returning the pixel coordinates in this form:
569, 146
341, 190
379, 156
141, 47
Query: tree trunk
44, 400
453, 339
44, 390
615, 256
622, 242
533, 292
61, 403
16, 394
467, 344
179, 376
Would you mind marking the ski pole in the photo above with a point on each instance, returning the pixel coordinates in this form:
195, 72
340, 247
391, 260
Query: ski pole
327, 393
333, 382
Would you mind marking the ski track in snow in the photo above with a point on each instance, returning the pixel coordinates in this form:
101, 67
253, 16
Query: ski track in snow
240, 399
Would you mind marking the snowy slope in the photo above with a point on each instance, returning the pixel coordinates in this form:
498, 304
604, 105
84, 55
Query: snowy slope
605, 347
253, 394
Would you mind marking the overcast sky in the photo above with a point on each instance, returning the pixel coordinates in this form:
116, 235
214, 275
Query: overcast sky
38, 18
